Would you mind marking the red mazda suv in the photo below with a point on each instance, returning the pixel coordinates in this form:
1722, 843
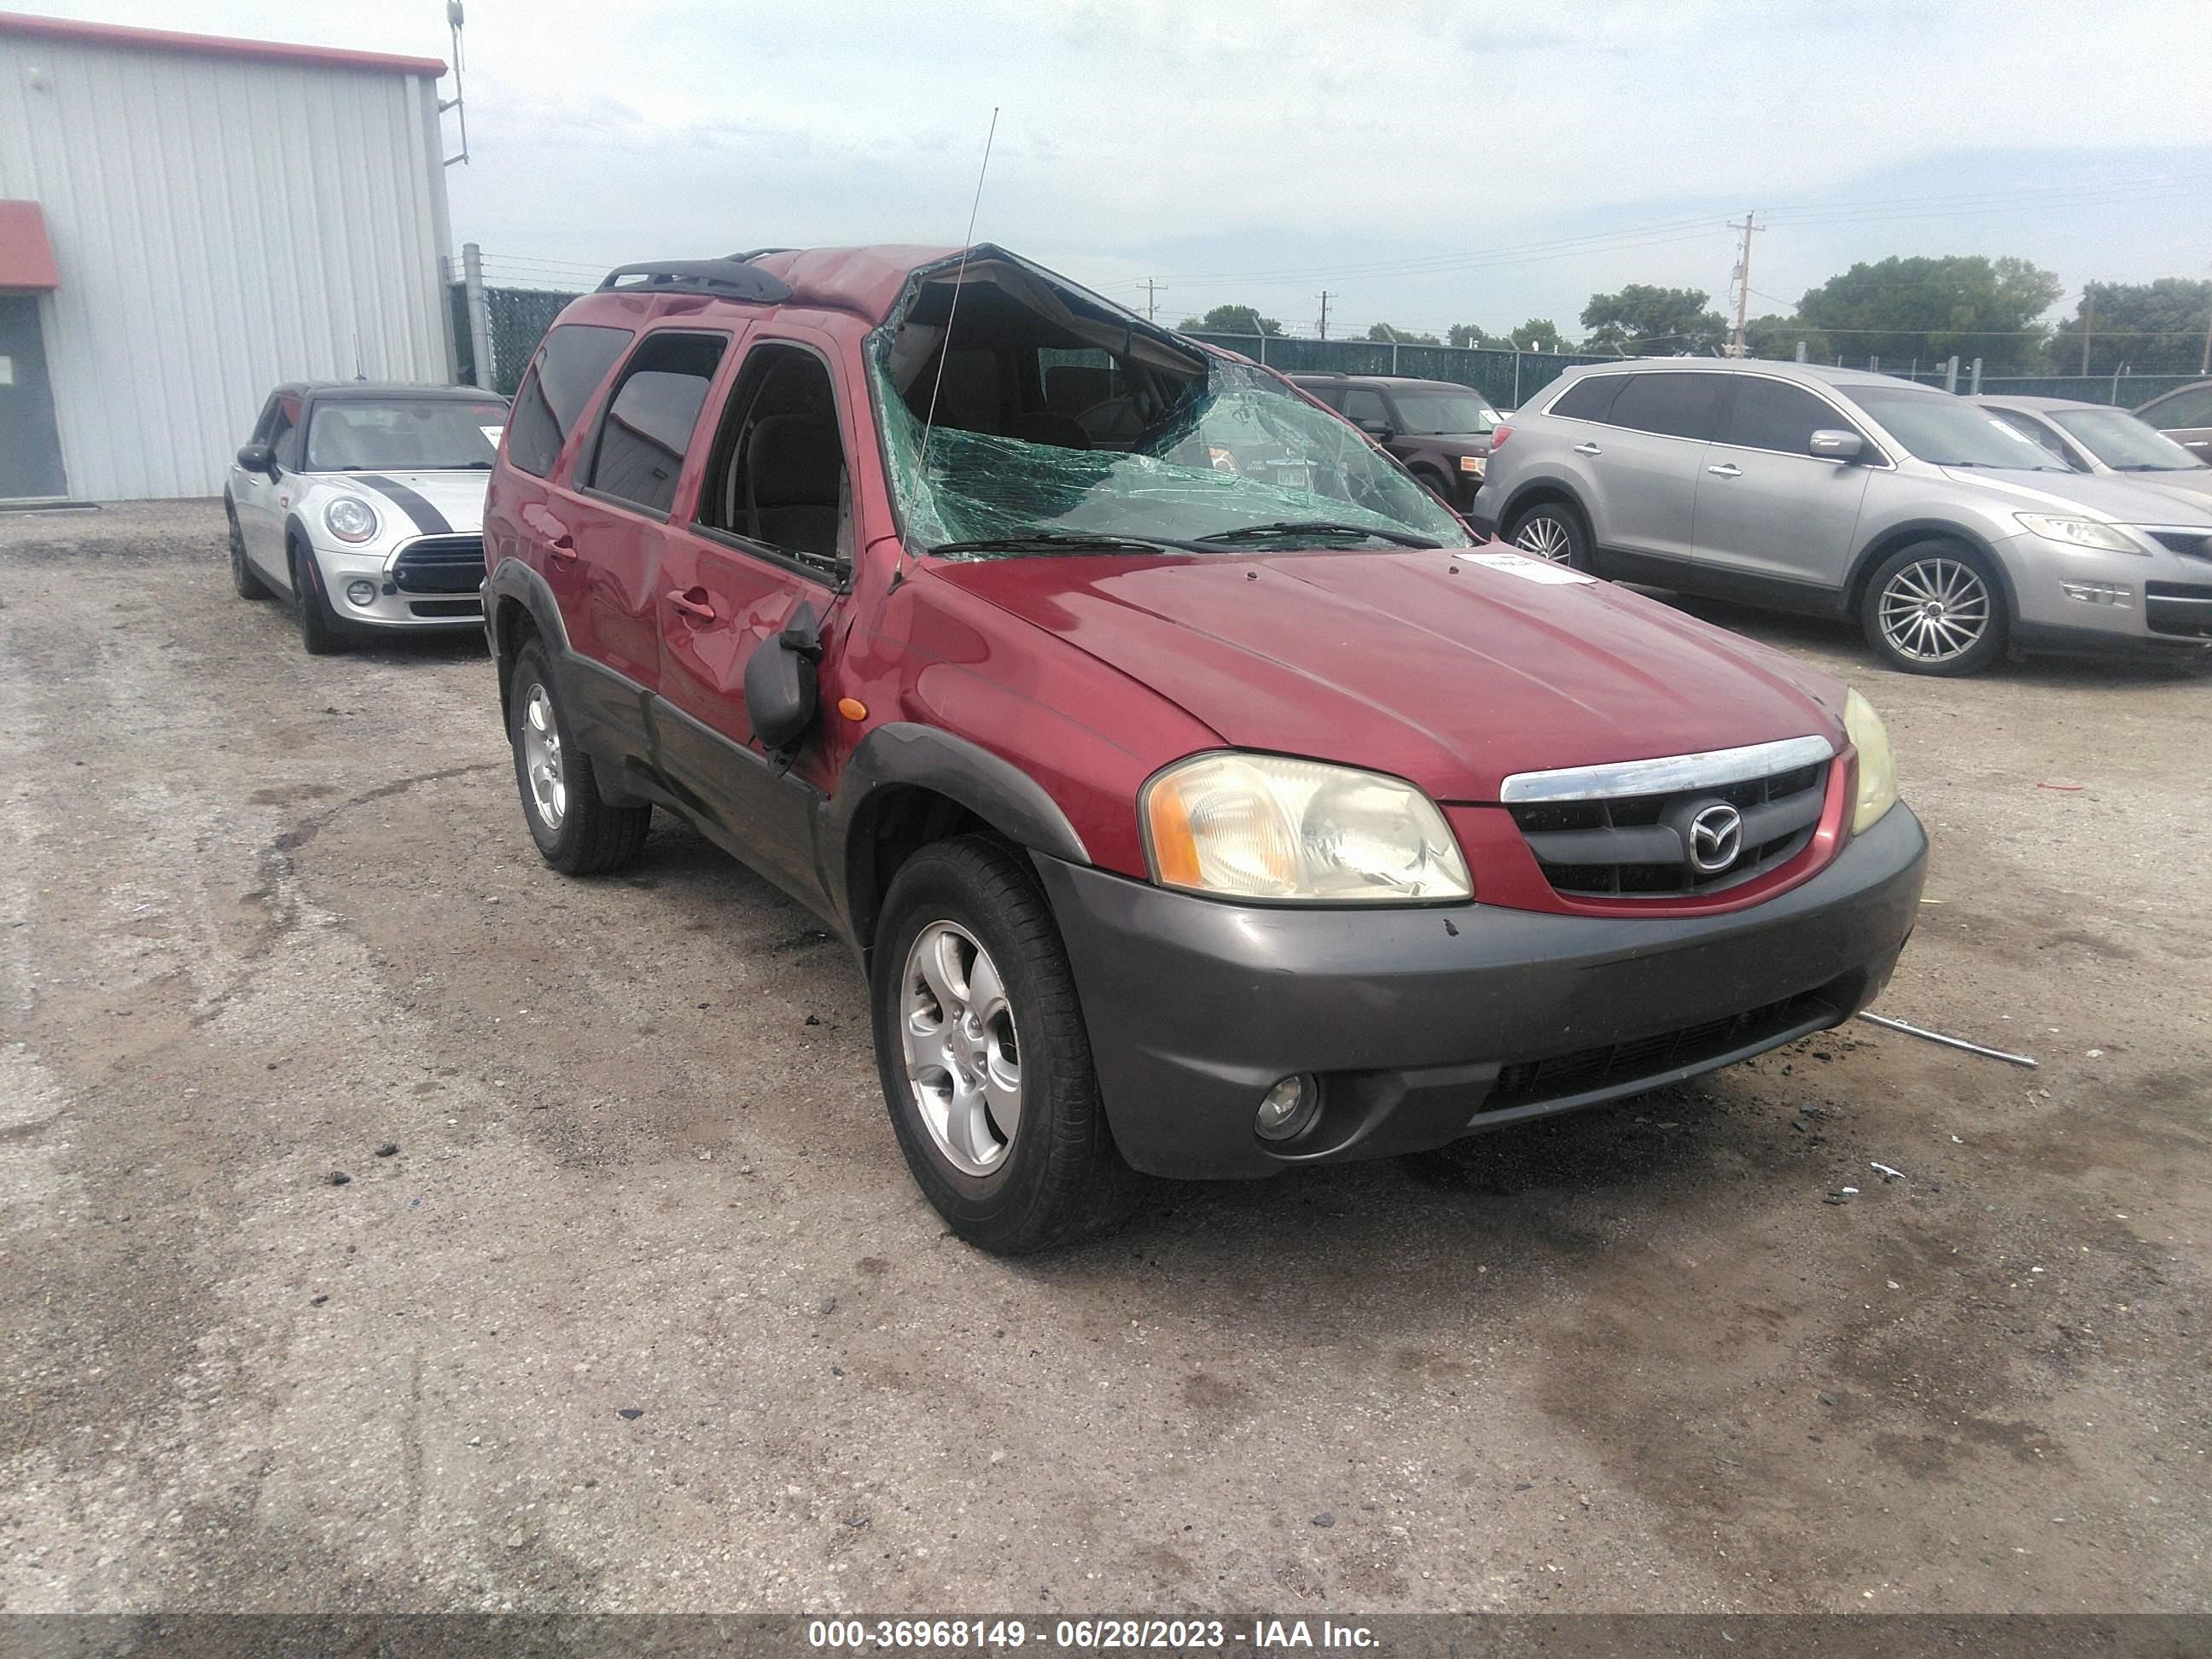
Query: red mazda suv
1197, 795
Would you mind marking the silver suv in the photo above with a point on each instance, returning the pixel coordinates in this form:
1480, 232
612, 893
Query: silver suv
1948, 534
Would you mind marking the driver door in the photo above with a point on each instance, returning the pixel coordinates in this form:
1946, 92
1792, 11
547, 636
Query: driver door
255, 496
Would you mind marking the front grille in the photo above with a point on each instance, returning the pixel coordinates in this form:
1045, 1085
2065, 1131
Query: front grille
1623, 1064
2184, 541
440, 564
445, 607
2184, 608
1635, 846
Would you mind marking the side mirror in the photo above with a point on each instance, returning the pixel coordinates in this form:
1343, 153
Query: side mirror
1830, 445
1381, 431
258, 457
780, 695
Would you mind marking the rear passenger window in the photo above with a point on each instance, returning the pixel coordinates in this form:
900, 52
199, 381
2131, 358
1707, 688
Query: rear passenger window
648, 423
1771, 415
1362, 405
1676, 405
575, 359
1591, 397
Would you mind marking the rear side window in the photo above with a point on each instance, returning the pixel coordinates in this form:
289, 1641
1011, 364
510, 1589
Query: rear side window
2028, 427
575, 359
1773, 415
1591, 397
1674, 405
649, 419
2189, 408
1361, 403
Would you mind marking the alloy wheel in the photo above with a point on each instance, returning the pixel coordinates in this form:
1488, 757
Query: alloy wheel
541, 758
963, 1058
1935, 609
1547, 538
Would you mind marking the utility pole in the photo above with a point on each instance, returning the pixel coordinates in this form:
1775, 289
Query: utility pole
1325, 297
2088, 320
1152, 300
1742, 278
2205, 360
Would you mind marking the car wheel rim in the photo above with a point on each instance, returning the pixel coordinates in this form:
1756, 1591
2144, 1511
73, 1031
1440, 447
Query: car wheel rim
541, 758
1547, 538
963, 1058
1936, 611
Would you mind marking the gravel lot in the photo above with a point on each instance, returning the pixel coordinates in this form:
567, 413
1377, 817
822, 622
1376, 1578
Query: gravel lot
643, 1312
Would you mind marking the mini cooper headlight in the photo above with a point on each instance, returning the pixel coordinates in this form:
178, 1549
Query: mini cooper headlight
351, 519
2081, 533
1877, 765
1265, 827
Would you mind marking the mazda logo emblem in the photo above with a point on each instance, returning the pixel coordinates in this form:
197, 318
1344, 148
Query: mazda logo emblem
1715, 838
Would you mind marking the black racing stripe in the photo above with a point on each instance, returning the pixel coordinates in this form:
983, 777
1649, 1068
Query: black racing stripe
428, 519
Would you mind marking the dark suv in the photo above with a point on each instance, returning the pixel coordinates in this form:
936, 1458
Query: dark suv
1196, 793
1439, 429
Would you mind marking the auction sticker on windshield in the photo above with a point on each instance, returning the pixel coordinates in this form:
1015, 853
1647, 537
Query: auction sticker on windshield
1532, 570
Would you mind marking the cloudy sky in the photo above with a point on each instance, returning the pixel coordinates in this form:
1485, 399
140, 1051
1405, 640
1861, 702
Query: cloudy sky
1426, 163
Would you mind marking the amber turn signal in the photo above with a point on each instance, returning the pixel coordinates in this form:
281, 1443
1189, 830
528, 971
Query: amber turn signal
852, 708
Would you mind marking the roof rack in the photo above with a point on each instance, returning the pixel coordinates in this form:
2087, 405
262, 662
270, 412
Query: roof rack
724, 279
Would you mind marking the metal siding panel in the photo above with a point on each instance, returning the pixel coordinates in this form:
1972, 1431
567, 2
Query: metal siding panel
221, 225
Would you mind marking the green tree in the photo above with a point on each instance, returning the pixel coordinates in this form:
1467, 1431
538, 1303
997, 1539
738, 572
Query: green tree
1384, 334
1538, 334
1465, 335
1653, 321
1928, 308
1776, 337
2155, 328
1232, 319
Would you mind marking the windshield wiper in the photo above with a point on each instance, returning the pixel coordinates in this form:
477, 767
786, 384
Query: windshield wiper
1051, 541
1252, 532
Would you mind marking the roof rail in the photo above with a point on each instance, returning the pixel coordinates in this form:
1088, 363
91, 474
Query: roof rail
752, 253
724, 279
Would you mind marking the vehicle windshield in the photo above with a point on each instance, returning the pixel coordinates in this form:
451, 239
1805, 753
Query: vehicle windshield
2123, 442
1061, 422
1936, 427
407, 435
1441, 412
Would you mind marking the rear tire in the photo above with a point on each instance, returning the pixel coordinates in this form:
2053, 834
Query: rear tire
243, 577
975, 1011
319, 625
1935, 607
576, 831
1552, 530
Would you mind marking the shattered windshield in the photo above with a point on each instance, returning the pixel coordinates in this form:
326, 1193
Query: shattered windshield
1058, 430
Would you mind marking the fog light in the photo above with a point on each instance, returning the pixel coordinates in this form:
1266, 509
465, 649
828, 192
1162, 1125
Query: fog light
361, 592
1287, 1108
2100, 593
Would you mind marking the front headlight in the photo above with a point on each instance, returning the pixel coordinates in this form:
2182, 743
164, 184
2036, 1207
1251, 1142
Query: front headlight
351, 519
1260, 826
2081, 533
1877, 766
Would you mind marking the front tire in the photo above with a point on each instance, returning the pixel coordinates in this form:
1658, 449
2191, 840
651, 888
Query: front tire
243, 577
981, 1046
1554, 531
318, 626
1935, 607
576, 831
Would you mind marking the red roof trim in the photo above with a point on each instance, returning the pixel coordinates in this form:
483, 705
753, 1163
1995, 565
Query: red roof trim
215, 45
27, 259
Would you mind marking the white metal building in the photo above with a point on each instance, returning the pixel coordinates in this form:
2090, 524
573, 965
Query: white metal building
187, 221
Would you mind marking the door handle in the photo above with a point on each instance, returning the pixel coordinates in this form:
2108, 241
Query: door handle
697, 608
1588, 449
1726, 470
562, 546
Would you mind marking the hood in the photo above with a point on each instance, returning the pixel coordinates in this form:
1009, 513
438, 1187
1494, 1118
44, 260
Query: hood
2192, 487
447, 501
1393, 662
2122, 497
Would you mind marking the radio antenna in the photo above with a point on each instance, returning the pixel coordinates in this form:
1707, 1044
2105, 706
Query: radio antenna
944, 346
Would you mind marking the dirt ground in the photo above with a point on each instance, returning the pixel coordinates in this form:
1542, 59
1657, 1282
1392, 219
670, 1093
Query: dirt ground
643, 1312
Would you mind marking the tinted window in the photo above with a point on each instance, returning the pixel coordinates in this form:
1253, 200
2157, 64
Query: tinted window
2189, 408
1362, 405
649, 419
1591, 397
1772, 415
776, 476
2028, 427
1331, 395
1676, 405
575, 359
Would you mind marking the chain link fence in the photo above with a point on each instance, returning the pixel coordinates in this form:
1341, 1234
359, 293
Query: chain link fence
517, 319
